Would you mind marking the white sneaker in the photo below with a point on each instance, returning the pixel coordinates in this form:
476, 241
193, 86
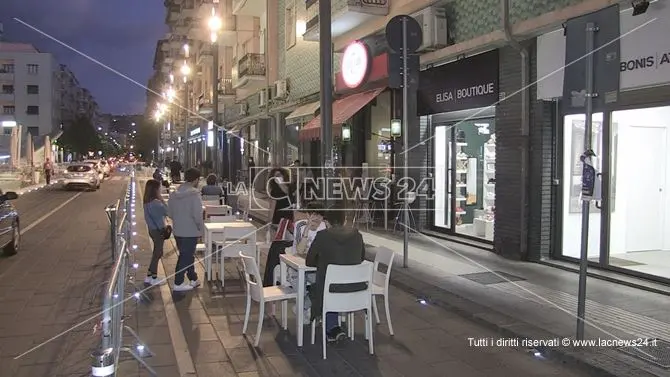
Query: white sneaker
195, 283
147, 280
157, 281
183, 287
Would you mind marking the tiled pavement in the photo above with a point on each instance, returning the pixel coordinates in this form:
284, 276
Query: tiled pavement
428, 341
49, 292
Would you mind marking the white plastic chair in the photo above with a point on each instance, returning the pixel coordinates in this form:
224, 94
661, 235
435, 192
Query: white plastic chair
380, 282
211, 198
233, 242
222, 219
261, 295
218, 210
210, 203
349, 302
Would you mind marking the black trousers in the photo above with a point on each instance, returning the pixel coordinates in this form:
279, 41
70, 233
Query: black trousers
276, 249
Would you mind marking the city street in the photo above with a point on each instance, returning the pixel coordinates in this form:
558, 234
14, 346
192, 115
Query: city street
52, 284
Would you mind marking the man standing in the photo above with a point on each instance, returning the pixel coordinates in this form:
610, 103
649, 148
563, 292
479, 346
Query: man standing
185, 210
48, 170
175, 170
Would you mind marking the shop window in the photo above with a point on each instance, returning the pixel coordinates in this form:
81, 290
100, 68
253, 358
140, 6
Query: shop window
573, 148
639, 223
465, 165
378, 145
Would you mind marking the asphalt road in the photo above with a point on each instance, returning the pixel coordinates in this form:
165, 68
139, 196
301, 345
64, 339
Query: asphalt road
49, 291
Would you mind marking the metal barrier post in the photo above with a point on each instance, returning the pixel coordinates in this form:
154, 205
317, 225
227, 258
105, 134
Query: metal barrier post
103, 364
112, 213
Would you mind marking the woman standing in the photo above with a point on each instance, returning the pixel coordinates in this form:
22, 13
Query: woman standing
155, 212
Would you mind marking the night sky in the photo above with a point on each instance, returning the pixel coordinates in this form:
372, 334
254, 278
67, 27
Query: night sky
122, 34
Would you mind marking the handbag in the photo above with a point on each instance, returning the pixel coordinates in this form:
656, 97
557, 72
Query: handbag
166, 231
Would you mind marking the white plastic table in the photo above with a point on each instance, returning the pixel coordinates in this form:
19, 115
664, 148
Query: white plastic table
296, 263
211, 229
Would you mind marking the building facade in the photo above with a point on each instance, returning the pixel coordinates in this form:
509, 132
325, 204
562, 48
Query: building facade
29, 88
487, 129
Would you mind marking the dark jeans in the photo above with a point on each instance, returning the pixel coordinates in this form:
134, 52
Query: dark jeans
276, 249
47, 176
331, 321
186, 259
158, 241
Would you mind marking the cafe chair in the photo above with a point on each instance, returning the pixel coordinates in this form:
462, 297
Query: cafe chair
380, 281
347, 302
232, 243
262, 295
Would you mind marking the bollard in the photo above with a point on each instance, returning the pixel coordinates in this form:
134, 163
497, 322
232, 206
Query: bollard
103, 363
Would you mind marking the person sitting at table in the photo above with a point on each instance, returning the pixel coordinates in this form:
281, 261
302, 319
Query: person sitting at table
213, 189
290, 234
336, 245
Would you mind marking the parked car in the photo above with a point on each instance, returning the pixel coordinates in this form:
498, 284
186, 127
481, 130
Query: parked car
10, 232
81, 176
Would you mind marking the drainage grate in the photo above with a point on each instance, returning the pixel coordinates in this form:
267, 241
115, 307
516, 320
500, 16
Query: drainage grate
656, 352
488, 278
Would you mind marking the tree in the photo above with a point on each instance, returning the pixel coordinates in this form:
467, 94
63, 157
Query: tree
80, 137
147, 137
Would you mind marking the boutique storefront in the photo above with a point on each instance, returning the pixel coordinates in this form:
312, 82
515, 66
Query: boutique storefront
457, 102
361, 115
630, 227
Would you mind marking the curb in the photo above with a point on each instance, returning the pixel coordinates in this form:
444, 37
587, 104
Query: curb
595, 363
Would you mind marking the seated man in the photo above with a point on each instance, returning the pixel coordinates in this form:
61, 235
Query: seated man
335, 245
290, 235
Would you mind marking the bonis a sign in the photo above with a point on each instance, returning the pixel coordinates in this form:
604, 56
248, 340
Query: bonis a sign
464, 84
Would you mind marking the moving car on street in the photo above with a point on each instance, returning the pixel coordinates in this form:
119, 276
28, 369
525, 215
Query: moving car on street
10, 233
95, 164
81, 176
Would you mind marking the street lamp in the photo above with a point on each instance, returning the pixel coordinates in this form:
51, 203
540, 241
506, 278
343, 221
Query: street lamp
214, 24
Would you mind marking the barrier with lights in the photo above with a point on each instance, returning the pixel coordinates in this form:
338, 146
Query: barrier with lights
119, 290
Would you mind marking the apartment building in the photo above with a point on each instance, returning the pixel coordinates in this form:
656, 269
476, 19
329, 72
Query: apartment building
29, 89
486, 138
68, 95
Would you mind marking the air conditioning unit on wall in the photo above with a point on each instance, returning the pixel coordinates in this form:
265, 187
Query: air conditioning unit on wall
433, 21
263, 98
281, 89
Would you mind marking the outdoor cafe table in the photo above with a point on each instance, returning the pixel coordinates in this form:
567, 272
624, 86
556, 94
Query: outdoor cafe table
296, 263
211, 229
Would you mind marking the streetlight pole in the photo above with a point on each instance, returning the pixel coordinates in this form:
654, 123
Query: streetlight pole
214, 27
185, 71
326, 64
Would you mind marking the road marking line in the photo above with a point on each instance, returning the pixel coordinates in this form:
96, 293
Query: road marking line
46, 216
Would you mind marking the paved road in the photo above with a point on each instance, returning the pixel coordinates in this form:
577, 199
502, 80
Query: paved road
51, 285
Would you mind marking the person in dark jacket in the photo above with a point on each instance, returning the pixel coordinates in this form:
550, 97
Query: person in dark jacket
175, 170
339, 246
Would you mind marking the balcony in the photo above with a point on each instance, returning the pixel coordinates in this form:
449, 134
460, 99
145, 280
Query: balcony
6, 97
226, 91
172, 14
188, 8
254, 8
250, 70
205, 56
351, 15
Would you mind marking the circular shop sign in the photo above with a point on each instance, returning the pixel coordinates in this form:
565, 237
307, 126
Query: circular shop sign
355, 64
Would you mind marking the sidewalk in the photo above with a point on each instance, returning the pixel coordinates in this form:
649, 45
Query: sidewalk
428, 341
205, 329
532, 300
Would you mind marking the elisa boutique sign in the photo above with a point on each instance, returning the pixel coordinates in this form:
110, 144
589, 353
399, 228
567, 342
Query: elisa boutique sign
645, 53
464, 84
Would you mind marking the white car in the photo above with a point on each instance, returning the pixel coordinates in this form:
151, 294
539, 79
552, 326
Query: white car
95, 164
80, 176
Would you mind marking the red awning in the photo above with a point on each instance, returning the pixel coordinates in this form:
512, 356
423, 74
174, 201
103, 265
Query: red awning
343, 109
